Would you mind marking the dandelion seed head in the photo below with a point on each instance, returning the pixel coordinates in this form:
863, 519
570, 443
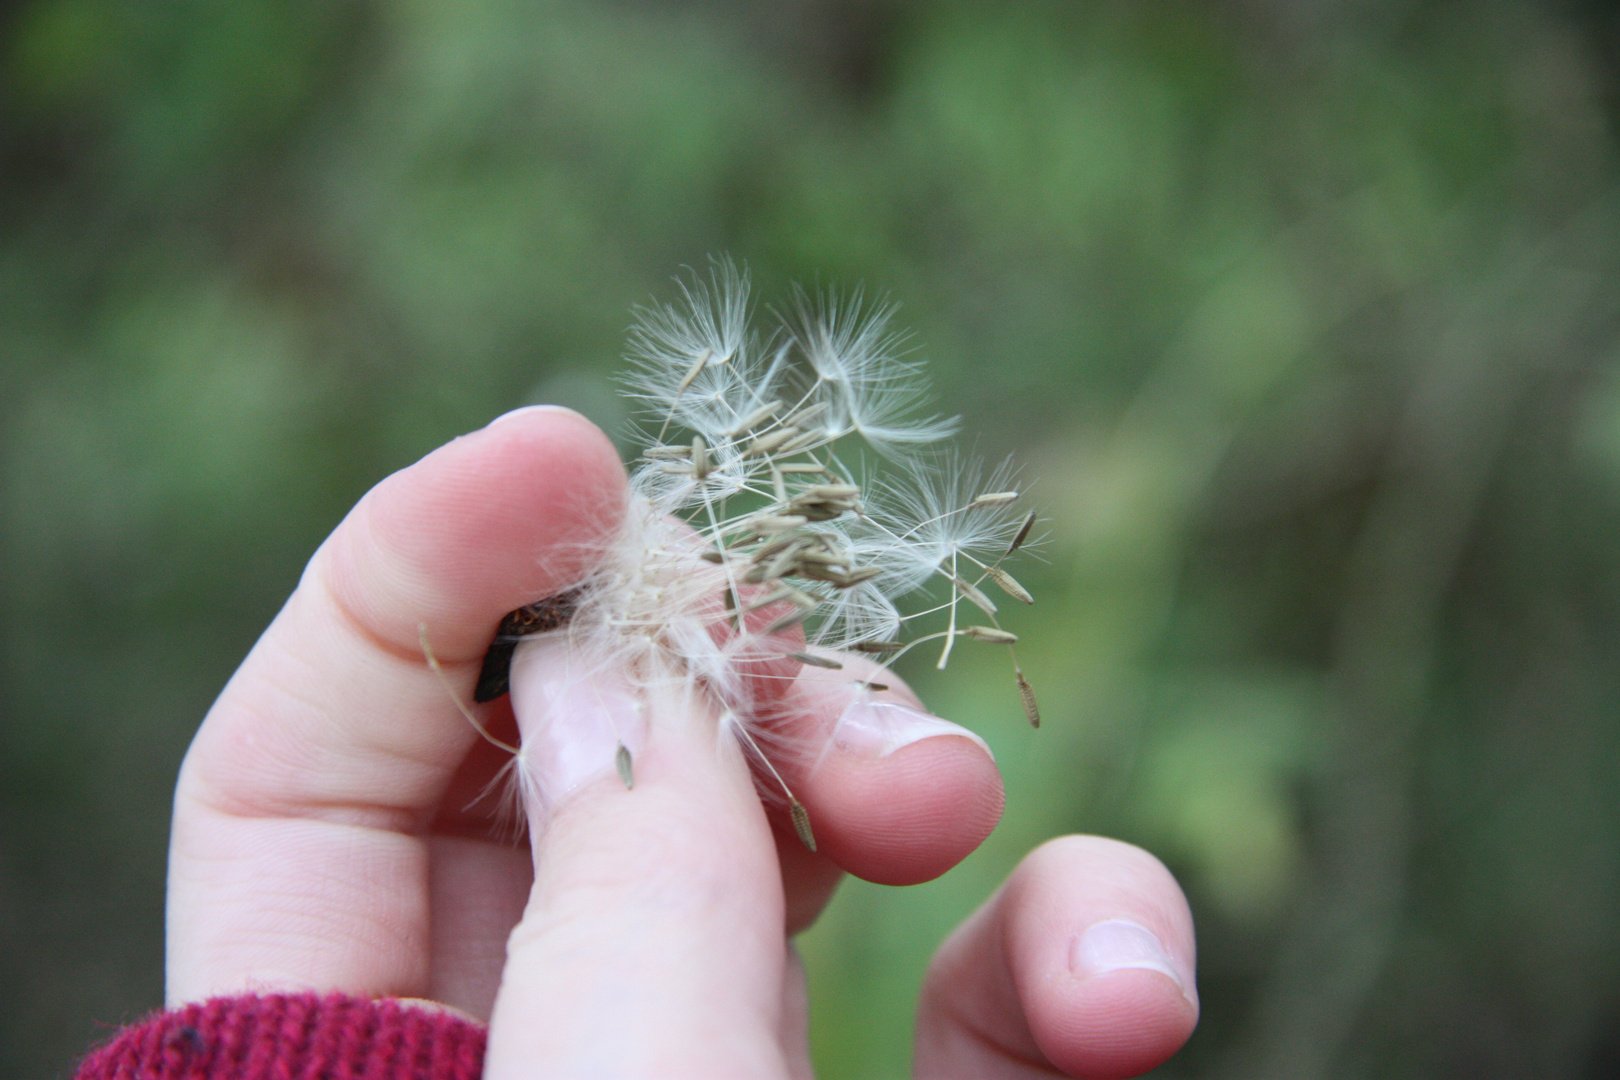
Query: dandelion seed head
753, 531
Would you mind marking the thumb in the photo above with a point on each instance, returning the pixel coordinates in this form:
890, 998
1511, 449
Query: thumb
652, 943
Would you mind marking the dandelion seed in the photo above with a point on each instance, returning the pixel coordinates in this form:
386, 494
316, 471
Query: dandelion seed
990, 634
762, 446
801, 824
755, 418
1026, 694
974, 596
1008, 584
816, 661
792, 618
1022, 534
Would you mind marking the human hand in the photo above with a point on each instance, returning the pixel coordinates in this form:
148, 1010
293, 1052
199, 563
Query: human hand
322, 836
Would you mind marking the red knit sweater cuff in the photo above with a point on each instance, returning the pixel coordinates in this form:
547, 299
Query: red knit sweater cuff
292, 1037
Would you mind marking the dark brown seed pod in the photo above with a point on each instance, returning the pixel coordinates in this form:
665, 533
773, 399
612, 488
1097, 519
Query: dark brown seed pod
801, 823
1023, 533
540, 617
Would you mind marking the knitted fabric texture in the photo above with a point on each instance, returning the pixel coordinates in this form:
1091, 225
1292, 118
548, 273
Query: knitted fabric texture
292, 1037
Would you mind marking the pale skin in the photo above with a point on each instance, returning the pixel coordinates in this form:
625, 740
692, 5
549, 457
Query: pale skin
322, 836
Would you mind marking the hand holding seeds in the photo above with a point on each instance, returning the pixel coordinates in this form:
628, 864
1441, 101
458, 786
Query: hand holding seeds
326, 832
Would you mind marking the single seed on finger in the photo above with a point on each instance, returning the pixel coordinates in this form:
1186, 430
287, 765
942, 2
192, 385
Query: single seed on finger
801, 824
621, 762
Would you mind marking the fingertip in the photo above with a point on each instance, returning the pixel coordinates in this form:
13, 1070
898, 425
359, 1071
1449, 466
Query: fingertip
1123, 1023
909, 816
1101, 943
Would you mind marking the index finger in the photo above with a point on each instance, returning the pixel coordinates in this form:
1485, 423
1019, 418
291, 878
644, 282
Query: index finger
297, 854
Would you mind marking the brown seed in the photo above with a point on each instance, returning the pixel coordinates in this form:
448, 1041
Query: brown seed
781, 542
816, 661
860, 574
767, 444
694, 371
1008, 584
1023, 533
990, 634
819, 509
753, 419
775, 596
824, 558
830, 491
801, 823
878, 646
809, 412
792, 618
802, 598
803, 442
1026, 694
971, 591
780, 566
771, 524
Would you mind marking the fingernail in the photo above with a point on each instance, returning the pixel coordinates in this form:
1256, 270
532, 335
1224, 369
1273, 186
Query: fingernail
876, 729
1118, 944
525, 410
573, 722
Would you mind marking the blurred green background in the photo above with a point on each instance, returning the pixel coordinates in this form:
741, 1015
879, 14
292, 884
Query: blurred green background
1302, 315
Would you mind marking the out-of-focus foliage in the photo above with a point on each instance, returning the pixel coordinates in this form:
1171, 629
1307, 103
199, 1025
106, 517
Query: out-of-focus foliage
1303, 316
